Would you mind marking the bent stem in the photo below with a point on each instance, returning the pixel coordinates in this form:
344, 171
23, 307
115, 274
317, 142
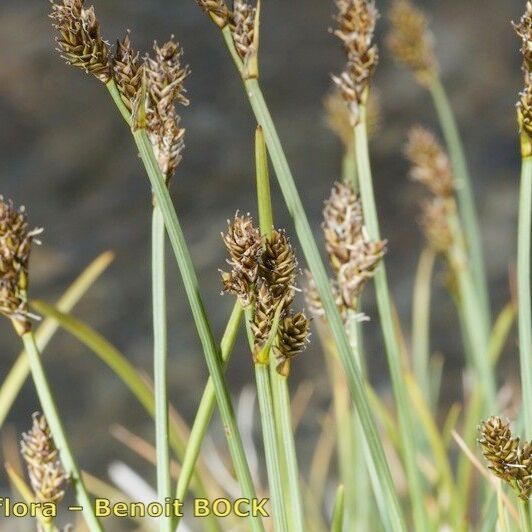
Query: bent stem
465, 194
523, 290
160, 354
52, 416
406, 424
206, 407
316, 266
279, 383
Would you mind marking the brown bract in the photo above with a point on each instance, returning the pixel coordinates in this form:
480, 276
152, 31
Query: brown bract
47, 475
356, 20
411, 41
15, 247
79, 38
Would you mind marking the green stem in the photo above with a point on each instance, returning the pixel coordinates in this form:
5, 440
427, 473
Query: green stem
349, 169
465, 194
316, 266
523, 290
271, 446
190, 281
206, 407
272, 451
421, 323
472, 316
406, 424
52, 416
160, 353
279, 383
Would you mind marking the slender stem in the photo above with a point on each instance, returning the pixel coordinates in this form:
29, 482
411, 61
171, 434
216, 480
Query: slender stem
52, 416
206, 407
190, 281
471, 315
316, 266
279, 383
523, 290
406, 424
271, 446
160, 353
349, 169
421, 323
465, 194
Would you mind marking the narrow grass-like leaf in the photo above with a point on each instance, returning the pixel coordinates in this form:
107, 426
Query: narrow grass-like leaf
338, 513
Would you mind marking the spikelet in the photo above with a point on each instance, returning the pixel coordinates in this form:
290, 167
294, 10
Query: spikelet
244, 244
217, 10
244, 27
523, 29
356, 20
292, 338
15, 247
127, 71
506, 458
164, 77
434, 223
235, 283
430, 164
411, 41
47, 475
313, 300
79, 38
278, 266
264, 312
352, 255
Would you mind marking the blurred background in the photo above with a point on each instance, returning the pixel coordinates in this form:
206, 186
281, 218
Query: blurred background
67, 156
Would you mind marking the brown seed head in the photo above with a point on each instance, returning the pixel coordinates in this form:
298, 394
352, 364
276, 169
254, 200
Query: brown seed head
15, 246
128, 71
217, 10
47, 475
293, 337
313, 300
523, 29
264, 312
164, 77
235, 283
352, 255
507, 459
434, 222
244, 27
278, 266
356, 21
244, 244
79, 38
430, 164
411, 41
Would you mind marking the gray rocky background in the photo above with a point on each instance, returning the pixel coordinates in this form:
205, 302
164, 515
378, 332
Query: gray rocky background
67, 156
